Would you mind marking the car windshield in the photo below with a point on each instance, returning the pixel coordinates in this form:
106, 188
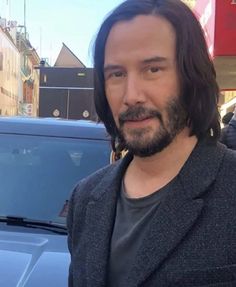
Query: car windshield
37, 174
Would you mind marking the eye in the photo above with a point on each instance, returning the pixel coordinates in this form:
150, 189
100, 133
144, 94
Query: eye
117, 74
154, 69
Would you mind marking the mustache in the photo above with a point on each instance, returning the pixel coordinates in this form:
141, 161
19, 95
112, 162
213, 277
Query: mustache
139, 113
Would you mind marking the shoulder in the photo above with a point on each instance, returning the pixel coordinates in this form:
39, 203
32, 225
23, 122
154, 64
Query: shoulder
99, 182
82, 195
232, 121
232, 124
85, 187
92, 188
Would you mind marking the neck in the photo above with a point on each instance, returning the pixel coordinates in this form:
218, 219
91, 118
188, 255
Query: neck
146, 175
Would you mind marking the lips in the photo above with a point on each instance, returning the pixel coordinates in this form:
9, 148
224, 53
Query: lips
139, 119
138, 114
137, 123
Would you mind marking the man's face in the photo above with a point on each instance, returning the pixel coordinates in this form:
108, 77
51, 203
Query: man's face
142, 85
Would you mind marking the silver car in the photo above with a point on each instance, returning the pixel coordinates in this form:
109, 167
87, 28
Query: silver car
41, 160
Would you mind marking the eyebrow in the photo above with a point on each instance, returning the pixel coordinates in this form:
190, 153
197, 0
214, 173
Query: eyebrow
154, 59
109, 67
157, 59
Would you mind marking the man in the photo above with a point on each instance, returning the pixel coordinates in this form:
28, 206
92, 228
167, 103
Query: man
230, 133
165, 214
224, 131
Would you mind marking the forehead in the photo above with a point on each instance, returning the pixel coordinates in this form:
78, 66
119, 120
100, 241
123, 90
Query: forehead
143, 36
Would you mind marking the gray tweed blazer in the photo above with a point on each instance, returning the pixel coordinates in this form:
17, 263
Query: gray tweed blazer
191, 240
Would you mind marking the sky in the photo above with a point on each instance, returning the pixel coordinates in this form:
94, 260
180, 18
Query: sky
50, 23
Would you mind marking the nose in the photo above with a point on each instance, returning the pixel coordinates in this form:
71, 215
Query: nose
133, 92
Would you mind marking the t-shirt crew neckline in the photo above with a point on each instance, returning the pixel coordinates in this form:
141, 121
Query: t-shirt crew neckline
142, 202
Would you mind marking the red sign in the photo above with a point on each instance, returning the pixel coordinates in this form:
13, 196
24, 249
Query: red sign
218, 19
225, 38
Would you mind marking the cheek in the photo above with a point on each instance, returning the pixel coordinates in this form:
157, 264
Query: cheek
164, 93
114, 100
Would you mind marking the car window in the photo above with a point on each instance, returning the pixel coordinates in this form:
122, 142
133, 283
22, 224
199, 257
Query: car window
37, 174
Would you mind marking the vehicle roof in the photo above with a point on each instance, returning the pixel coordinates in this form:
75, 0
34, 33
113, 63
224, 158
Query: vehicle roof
53, 127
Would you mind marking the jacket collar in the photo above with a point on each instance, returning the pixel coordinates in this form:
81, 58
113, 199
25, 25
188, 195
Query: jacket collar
173, 219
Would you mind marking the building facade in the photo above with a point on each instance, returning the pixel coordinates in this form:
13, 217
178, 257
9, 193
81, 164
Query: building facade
9, 75
19, 80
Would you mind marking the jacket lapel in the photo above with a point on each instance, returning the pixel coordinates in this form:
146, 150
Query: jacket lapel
178, 212
99, 220
100, 217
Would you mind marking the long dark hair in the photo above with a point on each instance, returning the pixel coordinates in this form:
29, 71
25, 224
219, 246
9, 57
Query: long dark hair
199, 89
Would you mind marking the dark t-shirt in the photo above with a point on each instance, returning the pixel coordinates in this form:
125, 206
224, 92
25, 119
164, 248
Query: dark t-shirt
132, 221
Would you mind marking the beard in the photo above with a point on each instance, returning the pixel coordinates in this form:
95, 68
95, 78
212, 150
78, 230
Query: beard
145, 141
